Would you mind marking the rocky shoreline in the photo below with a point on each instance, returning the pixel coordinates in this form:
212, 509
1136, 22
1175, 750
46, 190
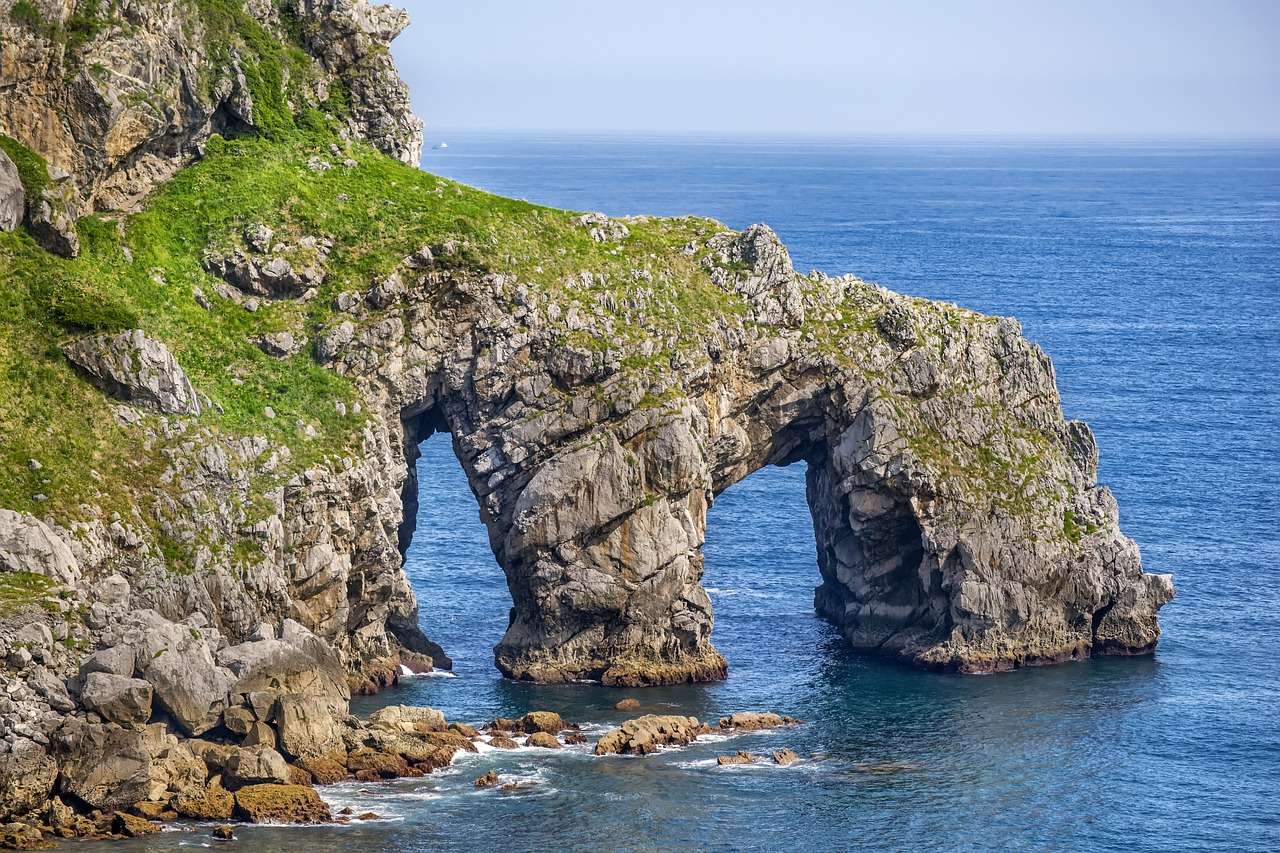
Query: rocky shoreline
241, 770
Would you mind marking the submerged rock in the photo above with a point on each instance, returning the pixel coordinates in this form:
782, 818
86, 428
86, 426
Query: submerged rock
740, 757
752, 720
785, 757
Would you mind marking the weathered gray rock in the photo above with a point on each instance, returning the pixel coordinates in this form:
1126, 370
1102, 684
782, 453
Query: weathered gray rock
178, 663
51, 219
110, 767
118, 699
118, 660
27, 774
134, 367
13, 199
27, 544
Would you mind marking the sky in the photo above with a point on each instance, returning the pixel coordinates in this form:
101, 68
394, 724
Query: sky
1075, 67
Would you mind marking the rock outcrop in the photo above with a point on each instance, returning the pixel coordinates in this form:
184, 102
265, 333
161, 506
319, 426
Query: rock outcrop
123, 96
13, 198
649, 733
134, 367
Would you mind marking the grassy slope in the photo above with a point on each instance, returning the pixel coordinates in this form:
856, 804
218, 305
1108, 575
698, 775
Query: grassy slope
144, 270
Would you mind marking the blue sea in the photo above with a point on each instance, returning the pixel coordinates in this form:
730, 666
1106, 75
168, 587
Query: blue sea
1150, 272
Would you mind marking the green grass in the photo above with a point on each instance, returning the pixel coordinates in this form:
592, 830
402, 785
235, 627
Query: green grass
32, 169
21, 591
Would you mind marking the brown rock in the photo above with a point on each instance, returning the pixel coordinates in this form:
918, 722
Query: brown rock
464, 729
214, 803
488, 780
628, 704
370, 765
21, 836
132, 826
754, 720
646, 734
502, 742
502, 724
785, 757
368, 816
548, 722
740, 758
149, 810
324, 771
298, 776
543, 740
281, 804
574, 738
223, 832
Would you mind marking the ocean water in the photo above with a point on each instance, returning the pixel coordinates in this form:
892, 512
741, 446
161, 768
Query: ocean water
1150, 272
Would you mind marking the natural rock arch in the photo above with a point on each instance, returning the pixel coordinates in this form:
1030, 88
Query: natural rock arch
957, 515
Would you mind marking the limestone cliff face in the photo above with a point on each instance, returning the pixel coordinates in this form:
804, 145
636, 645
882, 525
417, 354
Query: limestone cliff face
118, 97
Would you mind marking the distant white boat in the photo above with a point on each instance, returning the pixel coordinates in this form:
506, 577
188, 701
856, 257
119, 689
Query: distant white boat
440, 146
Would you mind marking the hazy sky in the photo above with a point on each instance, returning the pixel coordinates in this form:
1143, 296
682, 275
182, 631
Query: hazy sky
821, 66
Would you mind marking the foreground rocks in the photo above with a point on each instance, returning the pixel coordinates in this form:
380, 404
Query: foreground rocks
647, 734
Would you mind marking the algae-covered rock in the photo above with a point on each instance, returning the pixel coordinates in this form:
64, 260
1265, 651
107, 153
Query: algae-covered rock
280, 804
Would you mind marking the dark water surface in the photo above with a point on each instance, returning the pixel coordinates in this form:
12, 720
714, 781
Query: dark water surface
1150, 272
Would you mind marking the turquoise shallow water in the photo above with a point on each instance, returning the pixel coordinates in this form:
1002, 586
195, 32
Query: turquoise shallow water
1150, 272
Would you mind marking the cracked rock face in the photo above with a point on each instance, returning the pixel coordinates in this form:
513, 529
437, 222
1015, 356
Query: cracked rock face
131, 366
132, 105
596, 501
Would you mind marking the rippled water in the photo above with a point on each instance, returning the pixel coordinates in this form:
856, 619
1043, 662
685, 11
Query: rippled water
1151, 273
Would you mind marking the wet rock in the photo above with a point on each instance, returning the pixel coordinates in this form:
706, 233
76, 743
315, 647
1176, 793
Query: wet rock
542, 721
464, 730
753, 720
132, 826
543, 740
21, 836
740, 757
785, 757
574, 739
136, 368
488, 780
644, 735
223, 832
628, 704
502, 742
280, 804
408, 718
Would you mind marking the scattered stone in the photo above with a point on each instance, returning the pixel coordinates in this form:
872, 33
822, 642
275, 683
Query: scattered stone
785, 757
644, 735
740, 757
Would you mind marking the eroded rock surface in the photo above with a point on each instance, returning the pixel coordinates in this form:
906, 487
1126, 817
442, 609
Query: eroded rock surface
134, 367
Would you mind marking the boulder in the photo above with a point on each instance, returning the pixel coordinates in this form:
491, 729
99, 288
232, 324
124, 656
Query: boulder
542, 721
753, 720
126, 701
646, 734
465, 730
27, 774
260, 734
255, 765
238, 720
117, 660
407, 718
324, 770
785, 757
177, 661
740, 757
132, 826
628, 704
503, 742
133, 367
22, 836
51, 688
543, 740
308, 725
488, 780
111, 767
269, 803
27, 544
13, 198
51, 219
212, 803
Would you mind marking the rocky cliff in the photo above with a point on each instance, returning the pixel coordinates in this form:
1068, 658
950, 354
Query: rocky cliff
211, 400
